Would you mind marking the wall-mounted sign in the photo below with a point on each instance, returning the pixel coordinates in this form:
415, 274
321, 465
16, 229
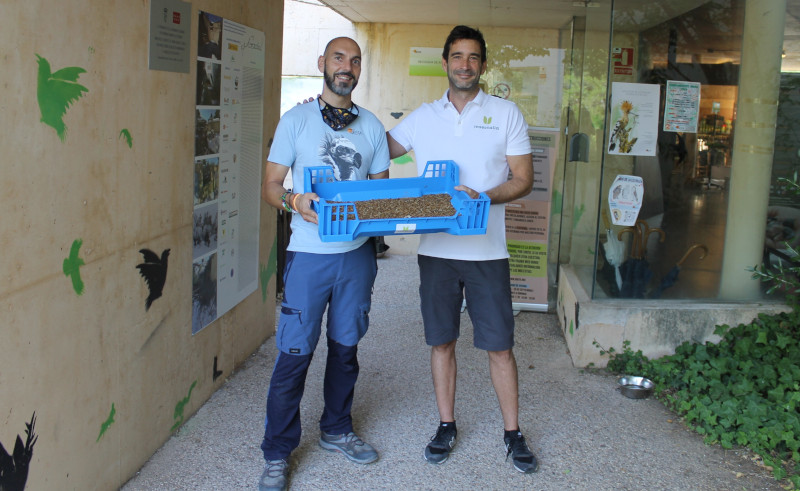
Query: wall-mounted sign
622, 59
227, 166
170, 30
426, 62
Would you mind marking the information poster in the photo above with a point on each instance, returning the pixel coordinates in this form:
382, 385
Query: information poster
625, 199
170, 35
682, 106
527, 226
227, 166
634, 116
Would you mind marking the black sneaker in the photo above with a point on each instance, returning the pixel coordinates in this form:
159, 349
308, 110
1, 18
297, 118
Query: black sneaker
438, 450
522, 457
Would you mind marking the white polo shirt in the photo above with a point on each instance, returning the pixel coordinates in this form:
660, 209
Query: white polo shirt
477, 140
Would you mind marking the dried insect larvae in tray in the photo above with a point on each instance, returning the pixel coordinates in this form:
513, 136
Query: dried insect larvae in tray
429, 205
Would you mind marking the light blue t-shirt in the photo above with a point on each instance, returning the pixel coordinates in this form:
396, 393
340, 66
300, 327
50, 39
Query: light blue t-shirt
303, 140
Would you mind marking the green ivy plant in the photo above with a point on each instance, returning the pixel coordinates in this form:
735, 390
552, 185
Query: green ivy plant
743, 391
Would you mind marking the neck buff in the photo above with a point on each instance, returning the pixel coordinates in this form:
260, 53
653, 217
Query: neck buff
337, 118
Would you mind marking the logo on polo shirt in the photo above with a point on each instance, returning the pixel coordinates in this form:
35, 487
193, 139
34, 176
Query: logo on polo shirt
487, 124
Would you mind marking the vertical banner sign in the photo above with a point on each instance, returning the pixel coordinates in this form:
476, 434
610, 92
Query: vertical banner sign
227, 166
527, 226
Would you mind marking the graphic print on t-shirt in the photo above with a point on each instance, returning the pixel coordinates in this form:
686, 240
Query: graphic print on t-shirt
341, 154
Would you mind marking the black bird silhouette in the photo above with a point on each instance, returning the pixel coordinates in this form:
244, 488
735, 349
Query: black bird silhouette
154, 272
216, 372
14, 469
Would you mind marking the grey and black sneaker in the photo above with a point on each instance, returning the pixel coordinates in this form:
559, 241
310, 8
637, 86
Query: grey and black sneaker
350, 445
274, 476
521, 456
438, 450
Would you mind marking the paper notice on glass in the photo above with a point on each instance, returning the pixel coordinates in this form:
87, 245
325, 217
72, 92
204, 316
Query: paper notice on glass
682, 106
625, 199
634, 117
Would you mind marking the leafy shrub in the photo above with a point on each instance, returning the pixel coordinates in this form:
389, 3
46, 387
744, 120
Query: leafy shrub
742, 391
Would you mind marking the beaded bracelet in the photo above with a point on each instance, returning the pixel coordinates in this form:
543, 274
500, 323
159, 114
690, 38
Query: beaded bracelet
284, 203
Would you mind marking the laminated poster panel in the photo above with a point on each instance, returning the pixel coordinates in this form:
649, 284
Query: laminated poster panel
227, 166
527, 226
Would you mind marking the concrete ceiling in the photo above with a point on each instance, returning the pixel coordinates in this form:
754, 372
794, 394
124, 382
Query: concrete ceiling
630, 15
509, 13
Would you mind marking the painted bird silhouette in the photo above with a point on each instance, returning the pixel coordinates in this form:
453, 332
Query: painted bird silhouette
154, 272
179, 407
72, 265
14, 468
55, 92
108, 422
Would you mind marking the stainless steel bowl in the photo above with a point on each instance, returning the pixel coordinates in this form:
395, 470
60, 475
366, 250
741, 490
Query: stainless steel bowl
635, 387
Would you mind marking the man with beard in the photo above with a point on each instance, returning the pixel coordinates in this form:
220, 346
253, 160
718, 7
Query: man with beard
487, 138
337, 276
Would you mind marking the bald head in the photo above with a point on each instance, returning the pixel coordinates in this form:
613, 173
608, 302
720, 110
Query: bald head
344, 41
341, 67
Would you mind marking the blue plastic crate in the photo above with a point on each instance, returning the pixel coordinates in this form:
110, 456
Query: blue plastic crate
339, 221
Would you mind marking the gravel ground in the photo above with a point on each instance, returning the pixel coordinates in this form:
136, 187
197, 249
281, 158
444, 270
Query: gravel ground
586, 434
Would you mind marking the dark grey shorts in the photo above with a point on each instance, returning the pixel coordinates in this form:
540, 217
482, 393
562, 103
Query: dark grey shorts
486, 285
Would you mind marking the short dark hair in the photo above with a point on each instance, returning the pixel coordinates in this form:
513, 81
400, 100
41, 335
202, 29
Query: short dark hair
464, 32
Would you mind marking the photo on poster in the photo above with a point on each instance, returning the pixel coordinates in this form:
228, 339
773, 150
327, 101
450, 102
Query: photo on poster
204, 292
206, 180
209, 83
206, 132
204, 230
209, 35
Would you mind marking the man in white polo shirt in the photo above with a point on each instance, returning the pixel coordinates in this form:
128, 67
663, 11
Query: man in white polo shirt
487, 137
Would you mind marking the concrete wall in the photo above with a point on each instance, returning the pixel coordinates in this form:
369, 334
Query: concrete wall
652, 326
107, 379
307, 30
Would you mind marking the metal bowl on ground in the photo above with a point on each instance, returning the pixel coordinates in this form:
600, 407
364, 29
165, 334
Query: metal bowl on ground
634, 387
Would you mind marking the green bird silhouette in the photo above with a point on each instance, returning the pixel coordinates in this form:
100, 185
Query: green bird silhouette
55, 92
104, 426
178, 413
127, 135
72, 266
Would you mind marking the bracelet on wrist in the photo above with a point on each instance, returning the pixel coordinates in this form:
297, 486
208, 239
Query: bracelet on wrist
284, 203
294, 202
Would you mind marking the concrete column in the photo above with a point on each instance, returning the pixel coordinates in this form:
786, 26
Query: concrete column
751, 165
